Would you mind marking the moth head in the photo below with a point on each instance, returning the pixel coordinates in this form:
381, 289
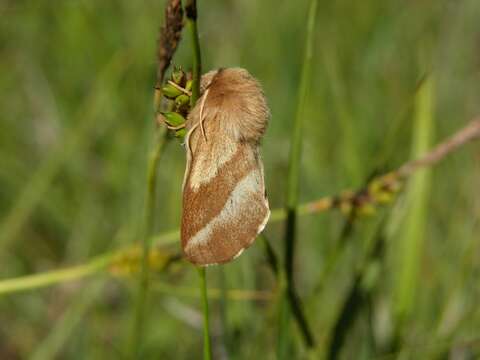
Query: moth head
235, 102
207, 80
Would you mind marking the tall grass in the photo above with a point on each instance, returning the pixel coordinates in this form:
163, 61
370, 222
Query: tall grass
192, 14
76, 124
413, 226
290, 301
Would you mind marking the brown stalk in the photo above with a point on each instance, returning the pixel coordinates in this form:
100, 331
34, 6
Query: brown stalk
170, 34
390, 181
168, 41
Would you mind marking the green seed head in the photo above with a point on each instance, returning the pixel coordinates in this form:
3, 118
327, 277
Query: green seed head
173, 118
345, 207
182, 100
384, 197
179, 77
367, 209
189, 84
170, 91
180, 133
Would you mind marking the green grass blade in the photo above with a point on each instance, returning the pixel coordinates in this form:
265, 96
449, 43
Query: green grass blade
141, 305
55, 276
62, 330
75, 139
413, 229
207, 351
293, 185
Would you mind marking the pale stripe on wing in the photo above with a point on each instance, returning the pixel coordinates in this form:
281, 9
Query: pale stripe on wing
238, 204
208, 162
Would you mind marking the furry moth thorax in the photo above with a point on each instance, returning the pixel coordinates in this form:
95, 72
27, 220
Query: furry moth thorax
224, 201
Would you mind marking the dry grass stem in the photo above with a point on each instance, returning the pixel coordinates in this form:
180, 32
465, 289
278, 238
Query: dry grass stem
391, 182
466, 134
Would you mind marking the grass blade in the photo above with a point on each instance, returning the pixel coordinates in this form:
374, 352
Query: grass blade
414, 224
293, 189
76, 138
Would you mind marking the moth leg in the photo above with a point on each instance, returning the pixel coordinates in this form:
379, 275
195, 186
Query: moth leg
204, 99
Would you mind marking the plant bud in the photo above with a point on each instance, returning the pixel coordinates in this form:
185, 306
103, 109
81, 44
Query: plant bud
179, 77
345, 207
182, 100
170, 91
367, 209
181, 133
173, 118
383, 197
375, 186
189, 85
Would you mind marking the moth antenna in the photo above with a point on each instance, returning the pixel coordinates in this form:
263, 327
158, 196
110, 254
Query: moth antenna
202, 105
200, 122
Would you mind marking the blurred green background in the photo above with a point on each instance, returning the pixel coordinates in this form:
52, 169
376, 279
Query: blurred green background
76, 85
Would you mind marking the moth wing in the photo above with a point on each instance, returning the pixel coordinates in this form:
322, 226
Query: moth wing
224, 201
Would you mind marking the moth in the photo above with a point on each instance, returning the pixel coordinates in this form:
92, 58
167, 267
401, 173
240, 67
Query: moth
224, 200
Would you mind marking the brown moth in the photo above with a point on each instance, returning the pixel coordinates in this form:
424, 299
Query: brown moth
224, 202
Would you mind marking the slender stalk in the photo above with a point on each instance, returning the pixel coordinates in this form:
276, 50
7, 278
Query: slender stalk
61, 331
220, 294
54, 277
272, 258
170, 35
293, 186
191, 13
207, 351
143, 286
283, 341
296, 145
412, 235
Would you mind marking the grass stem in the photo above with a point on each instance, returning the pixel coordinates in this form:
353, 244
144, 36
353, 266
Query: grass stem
207, 351
143, 286
413, 229
191, 13
293, 188
55, 277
